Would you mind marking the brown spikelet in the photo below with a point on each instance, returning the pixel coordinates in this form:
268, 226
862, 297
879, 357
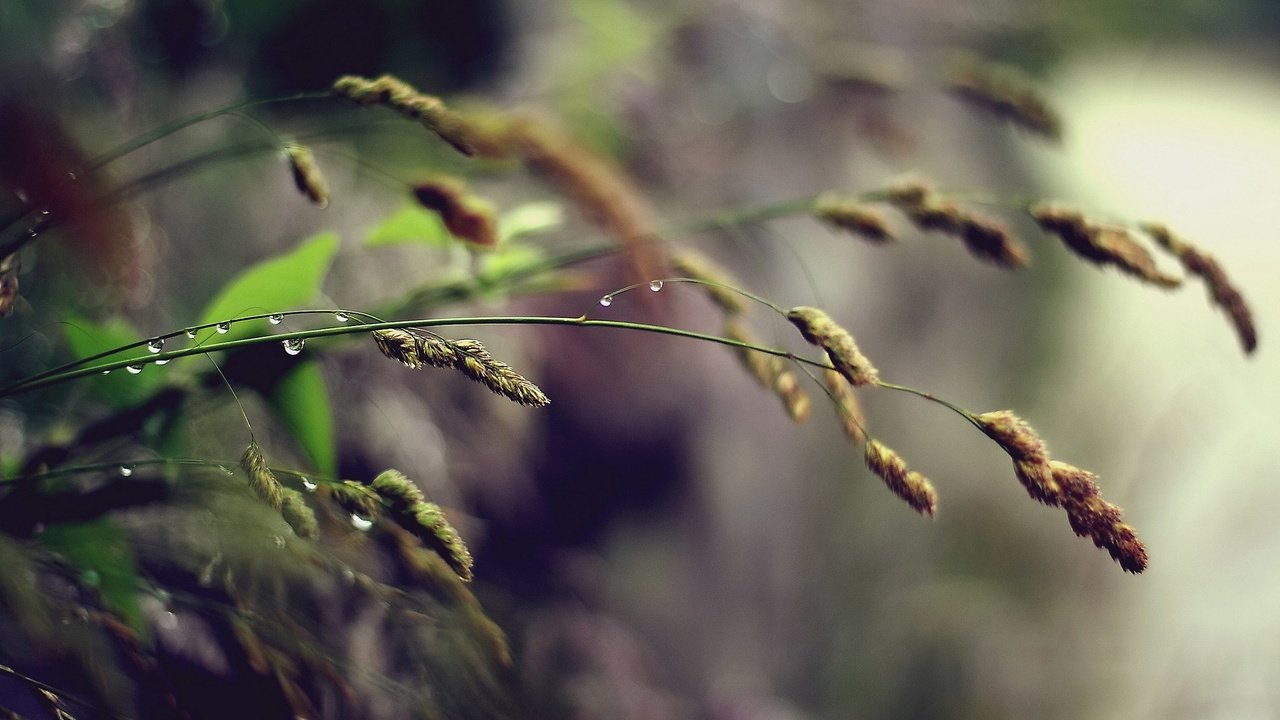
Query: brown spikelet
467, 137
1007, 94
1030, 457
262, 481
714, 279
598, 189
1103, 245
399, 345
436, 351
848, 410
295, 511
1203, 265
854, 218
771, 372
907, 484
476, 363
440, 536
985, 238
819, 329
1092, 517
466, 216
306, 174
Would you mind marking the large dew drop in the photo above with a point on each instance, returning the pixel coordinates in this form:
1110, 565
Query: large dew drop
308, 484
341, 317
162, 362
293, 346
223, 328
655, 285
360, 523
606, 301
133, 369
276, 319
190, 333
155, 346
126, 470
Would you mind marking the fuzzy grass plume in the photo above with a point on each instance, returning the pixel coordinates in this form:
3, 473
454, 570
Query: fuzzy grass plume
819, 329
855, 218
469, 356
388, 91
306, 174
1101, 244
262, 481
907, 484
1005, 93
985, 238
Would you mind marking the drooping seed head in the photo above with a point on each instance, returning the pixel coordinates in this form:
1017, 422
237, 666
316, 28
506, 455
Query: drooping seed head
306, 174
907, 484
819, 329
466, 216
295, 511
854, 218
436, 531
848, 410
262, 481
770, 371
476, 363
399, 345
714, 279
397, 490
1007, 94
1092, 517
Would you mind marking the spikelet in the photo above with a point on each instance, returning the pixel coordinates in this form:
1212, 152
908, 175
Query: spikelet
465, 136
1007, 94
356, 498
907, 484
399, 345
306, 174
476, 363
295, 511
1024, 446
1100, 244
854, 218
434, 529
771, 372
397, 490
1092, 517
848, 410
466, 216
819, 329
713, 279
1203, 265
985, 238
436, 351
261, 480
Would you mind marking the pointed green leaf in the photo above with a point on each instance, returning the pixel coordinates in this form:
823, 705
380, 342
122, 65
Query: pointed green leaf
301, 402
410, 224
120, 388
529, 219
279, 283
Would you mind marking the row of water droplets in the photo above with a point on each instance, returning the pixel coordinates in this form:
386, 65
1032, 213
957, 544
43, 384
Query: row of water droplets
292, 346
607, 300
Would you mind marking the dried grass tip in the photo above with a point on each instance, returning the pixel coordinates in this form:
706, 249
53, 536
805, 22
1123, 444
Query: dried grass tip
262, 481
466, 216
306, 174
1092, 517
984, 237
820, 330
771, 372
907, 484
714, 279
1005, 93
1221, 290
1101, 244
854, 218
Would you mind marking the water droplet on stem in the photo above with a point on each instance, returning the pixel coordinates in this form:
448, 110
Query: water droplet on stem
341, 317
655, 285
133, 369
606, 301
155, 346
126, 470
360, 523
293, 346
223, 328
276, 319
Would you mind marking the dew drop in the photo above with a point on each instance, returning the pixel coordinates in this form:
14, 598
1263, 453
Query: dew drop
134, 369
155, 346
606, 301
162, 362
222, 328
293, 346
308, 484
190, 332
276, 319
341, 317
168, 621
360, 523
106, 372
655, 285
348, 577
126, 470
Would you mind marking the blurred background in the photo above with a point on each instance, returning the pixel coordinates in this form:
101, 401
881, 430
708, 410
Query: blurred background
661, 542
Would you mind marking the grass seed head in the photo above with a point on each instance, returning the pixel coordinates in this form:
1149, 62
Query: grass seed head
306, 174
295, 511
398, 490
854, 218
819, 329
771, 372
437, 533
262, 481
715, 280
399, 345
476, 363
466, 216
1092, 517
1007, 94
848, 409
907, 484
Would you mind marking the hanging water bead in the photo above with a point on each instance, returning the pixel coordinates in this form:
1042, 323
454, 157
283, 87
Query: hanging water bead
126, 470
155, 346
655, 285
162, 362
606, 301
308, 484
276, 319
223, 328
341, 316
134, 369
190, 333
293, 346
360, 523
106, 372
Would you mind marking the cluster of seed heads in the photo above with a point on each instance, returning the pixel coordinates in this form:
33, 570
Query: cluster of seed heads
468, 356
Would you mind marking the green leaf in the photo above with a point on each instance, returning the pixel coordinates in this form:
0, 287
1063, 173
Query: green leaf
529, 219
120, 388
410, 224
301, 401
513, 257
101, 552
278, 283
